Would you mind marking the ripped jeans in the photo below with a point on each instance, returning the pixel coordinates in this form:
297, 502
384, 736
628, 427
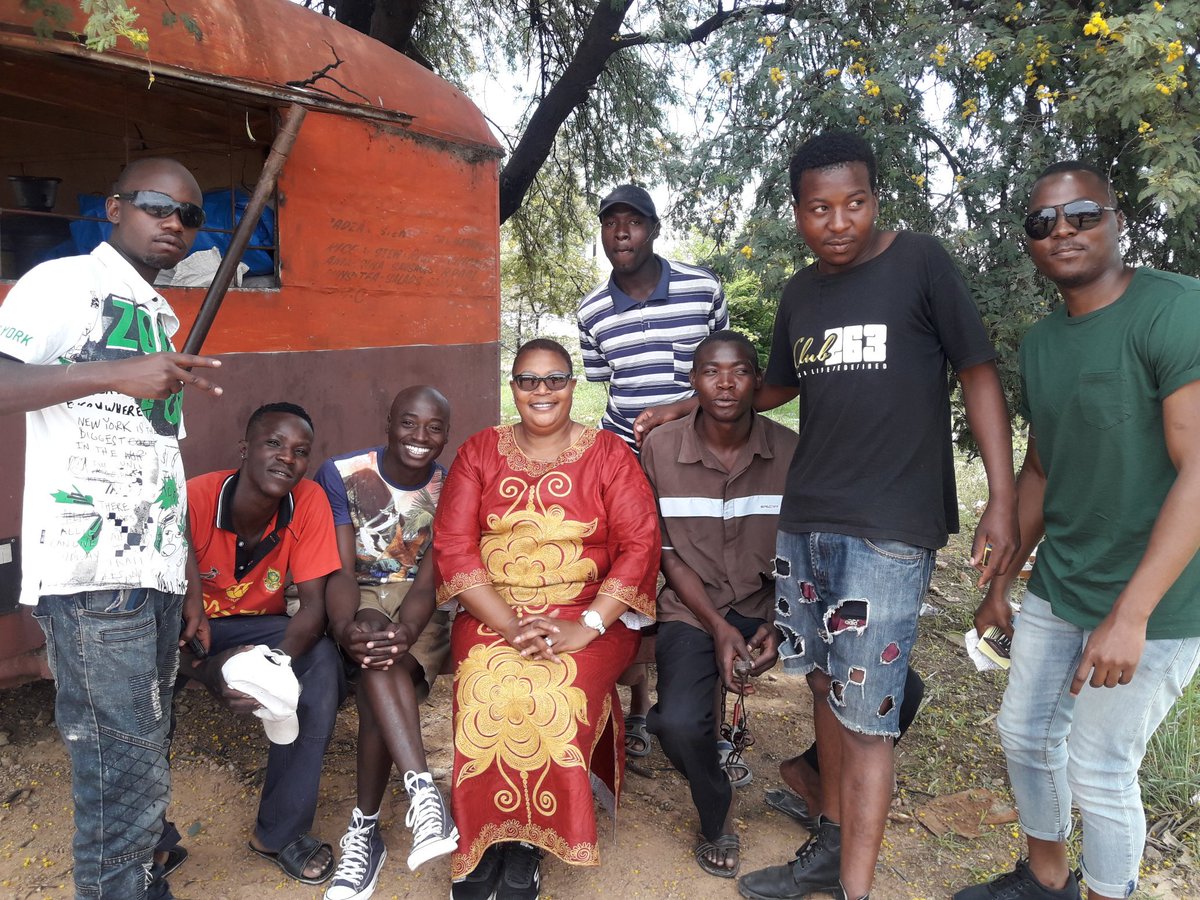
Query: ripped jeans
849, 607
114, 655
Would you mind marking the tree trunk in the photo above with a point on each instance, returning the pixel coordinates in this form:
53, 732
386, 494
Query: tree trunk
569, 92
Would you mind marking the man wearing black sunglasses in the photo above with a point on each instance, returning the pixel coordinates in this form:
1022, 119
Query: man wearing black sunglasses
85, 352
1109, 633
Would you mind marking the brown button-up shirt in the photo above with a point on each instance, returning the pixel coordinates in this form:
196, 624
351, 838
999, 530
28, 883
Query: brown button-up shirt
721, 524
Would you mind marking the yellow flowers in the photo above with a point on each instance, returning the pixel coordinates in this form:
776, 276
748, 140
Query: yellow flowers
970, 107
833, 73
1030, 75
1045, 95
726, 77
982, 60
1097, 24
1016, 12
858, 67
870, 88
747, 251
777, 75
1158, 7
1174, 51
852, 44
1144, 126
918, 180
863, 120
939, 54
767, 41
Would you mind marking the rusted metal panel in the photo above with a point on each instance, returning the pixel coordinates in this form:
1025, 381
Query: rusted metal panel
261, 45
384, 240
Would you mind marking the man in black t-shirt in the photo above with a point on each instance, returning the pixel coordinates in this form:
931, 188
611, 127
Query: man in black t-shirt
864, 336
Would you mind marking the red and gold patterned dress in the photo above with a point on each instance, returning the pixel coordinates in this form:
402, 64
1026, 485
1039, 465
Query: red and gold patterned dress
530, 734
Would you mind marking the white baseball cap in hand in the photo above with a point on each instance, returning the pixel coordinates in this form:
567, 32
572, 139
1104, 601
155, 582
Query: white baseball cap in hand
267, 676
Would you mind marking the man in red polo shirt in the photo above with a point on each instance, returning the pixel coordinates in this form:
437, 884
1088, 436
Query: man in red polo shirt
250, 528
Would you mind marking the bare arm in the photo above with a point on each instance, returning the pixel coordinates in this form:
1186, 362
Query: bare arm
24, 388
1031, 493
1114, 648
987, 415
728, 642
308, 624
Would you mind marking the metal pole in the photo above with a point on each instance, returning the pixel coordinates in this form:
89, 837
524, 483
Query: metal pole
280, 148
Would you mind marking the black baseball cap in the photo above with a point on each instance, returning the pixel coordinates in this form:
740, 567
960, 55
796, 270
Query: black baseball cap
630, 195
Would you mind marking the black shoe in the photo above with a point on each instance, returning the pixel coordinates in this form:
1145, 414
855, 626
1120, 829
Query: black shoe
522, 873
816, 868
480, 882
1020, 884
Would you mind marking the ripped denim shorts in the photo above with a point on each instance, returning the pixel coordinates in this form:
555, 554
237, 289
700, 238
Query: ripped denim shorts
849, 606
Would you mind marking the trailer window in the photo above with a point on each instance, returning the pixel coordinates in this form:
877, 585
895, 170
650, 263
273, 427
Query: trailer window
70, 125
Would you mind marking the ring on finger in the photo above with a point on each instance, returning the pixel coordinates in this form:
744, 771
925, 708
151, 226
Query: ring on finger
549, 643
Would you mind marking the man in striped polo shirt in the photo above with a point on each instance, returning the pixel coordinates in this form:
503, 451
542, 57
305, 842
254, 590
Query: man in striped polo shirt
638, 331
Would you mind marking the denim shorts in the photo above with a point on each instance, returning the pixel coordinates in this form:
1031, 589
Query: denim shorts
849, 606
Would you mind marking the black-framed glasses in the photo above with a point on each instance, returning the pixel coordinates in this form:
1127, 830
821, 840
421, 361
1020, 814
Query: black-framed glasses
1082, 214
555, 381
160, 205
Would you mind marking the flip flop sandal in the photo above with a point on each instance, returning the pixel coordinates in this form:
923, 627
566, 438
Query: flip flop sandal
792, 805
176, 857
294, 858
737, 771
721, 845
637, 738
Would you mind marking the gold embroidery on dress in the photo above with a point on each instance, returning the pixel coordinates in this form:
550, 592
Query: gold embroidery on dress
533, 551
627, 594
581, 854
508, 447
519, 716
459, 583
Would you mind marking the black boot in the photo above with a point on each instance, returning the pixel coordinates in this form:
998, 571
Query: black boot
816, 868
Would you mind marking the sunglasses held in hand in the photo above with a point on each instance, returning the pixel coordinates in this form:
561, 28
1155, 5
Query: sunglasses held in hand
1083, 215
160, 205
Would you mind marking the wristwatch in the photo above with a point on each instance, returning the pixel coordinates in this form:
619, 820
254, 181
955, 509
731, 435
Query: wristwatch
592, 620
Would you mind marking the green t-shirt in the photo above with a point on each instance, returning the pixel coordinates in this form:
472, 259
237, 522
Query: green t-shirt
1093, 390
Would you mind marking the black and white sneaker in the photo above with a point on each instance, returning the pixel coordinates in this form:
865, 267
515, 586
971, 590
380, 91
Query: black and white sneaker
480, 882
522, 876
363, 855
434, 833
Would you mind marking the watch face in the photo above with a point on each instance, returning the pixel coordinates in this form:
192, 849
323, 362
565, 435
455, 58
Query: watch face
593, 619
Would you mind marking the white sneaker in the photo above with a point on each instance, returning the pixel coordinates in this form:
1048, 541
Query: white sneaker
434, 833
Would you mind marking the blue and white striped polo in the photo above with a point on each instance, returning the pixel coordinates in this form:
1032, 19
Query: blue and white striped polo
644, 350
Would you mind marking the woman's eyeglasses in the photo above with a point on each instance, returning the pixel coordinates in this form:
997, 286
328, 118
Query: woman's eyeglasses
160, 205
555, 381
1082, 214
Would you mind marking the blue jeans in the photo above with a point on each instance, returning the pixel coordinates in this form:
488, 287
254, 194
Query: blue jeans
1086, 749
289, 795
114, 655
849, 606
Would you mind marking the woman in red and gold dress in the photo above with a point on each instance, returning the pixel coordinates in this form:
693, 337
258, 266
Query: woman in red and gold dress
547, 536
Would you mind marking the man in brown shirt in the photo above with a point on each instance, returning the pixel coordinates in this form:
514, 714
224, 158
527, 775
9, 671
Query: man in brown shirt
718, 475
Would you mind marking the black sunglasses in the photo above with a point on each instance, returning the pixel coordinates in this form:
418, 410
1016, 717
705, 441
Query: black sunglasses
556, 381
160, 205
1082, 214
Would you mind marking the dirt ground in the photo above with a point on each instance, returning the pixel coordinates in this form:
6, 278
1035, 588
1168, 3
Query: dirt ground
951, 748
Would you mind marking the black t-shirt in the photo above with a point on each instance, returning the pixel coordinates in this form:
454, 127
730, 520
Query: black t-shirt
868, 350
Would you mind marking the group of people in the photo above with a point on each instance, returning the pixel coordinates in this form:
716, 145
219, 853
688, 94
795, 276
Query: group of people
535, 564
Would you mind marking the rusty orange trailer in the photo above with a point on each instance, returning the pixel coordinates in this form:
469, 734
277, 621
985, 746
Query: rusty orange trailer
382, 269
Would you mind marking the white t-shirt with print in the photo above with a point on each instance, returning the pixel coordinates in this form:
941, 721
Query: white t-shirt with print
105, 497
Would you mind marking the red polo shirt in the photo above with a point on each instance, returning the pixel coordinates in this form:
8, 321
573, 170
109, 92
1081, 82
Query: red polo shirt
300, 539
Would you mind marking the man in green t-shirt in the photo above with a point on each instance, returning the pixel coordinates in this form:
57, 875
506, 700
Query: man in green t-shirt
1109, 633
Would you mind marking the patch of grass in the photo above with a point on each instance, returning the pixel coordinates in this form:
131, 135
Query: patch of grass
1171, 771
